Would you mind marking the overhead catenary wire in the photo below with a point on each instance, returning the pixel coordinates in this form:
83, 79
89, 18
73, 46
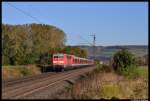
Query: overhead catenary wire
84, 39
29, 15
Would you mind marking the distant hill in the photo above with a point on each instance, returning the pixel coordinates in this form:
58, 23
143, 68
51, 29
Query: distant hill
106, 52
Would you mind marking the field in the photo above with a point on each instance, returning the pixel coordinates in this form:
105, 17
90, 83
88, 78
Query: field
109, 85
109, 51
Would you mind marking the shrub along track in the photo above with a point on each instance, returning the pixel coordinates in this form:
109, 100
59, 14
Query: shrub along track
23, 87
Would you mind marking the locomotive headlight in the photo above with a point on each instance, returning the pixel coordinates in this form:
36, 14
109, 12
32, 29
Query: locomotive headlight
61, 61
54, 61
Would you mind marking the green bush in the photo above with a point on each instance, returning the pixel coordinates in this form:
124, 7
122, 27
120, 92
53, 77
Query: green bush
25, 71
98, 67
103, 68
106, 68
124, 62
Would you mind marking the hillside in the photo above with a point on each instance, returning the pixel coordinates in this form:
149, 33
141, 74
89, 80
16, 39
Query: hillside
106, 52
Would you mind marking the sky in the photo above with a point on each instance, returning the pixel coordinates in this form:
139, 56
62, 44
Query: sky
113, 23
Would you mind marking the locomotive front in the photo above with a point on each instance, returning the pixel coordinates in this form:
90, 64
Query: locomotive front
58, 62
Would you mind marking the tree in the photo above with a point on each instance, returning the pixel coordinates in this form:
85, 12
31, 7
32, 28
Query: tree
29, 43
124, 62
74, 50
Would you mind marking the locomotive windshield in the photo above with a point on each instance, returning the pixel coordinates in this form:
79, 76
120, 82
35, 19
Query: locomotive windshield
58, 56
55, 56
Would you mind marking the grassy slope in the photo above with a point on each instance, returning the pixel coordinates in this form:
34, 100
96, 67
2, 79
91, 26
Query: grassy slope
143, 72
12, 72
109, 85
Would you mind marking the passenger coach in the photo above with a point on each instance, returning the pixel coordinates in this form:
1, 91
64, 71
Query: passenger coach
66, 61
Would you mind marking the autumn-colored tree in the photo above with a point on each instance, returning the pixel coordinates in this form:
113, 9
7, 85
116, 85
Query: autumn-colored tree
74, 50
29, 43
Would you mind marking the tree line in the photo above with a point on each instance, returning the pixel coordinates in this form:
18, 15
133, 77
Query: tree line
33, 43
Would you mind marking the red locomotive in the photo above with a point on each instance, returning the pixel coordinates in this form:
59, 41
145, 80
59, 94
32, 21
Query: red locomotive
65, 61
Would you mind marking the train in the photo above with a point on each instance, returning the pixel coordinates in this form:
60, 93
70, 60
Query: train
62, 62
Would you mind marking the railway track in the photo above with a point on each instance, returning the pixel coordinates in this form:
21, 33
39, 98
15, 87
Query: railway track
25, 87
25, 79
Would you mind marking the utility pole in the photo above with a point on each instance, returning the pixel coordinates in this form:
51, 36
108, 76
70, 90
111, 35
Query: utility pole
94, 39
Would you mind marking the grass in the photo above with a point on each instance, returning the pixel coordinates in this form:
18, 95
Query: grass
110, 91
102, 84
126, 89
12, 72
141, 71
